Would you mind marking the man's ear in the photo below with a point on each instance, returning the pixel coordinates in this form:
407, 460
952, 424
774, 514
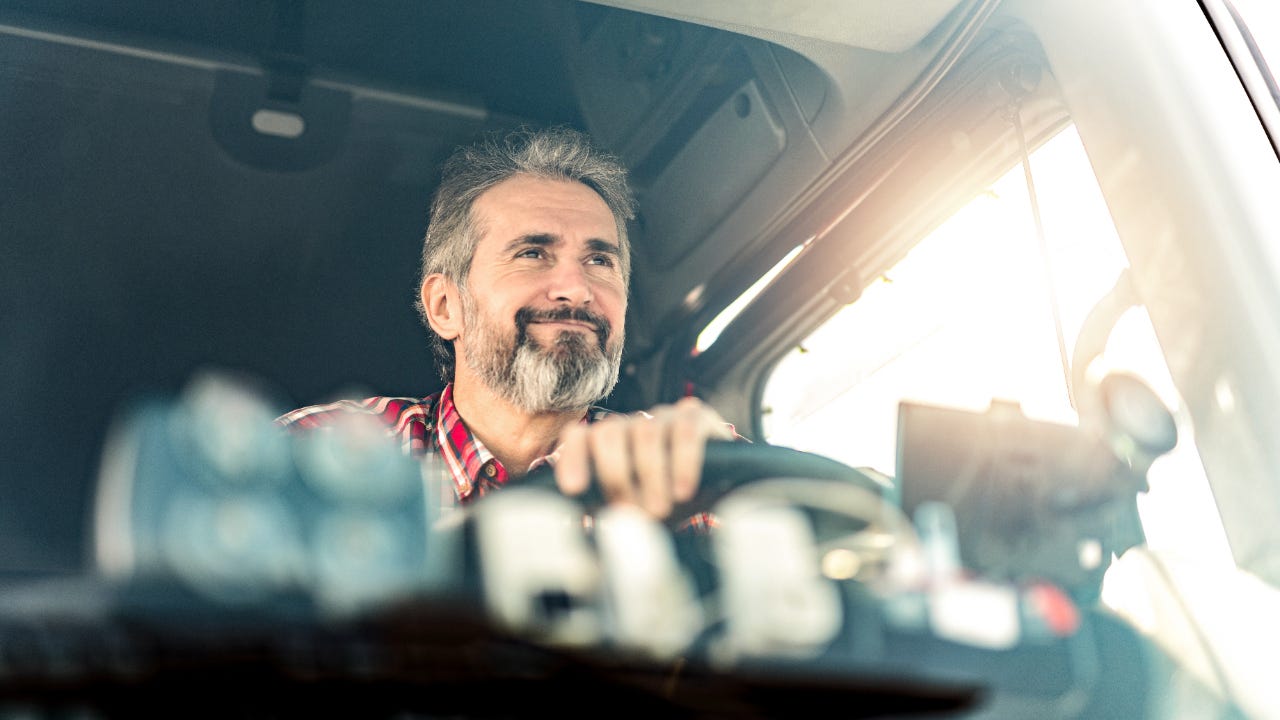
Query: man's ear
443, 303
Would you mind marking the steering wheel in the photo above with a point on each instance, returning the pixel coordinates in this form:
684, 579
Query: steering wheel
728, 465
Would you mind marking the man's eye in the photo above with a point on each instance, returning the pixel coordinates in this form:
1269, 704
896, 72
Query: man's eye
533, 253
602, 260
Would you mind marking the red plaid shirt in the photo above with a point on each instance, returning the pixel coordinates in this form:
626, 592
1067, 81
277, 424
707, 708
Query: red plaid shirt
431, 426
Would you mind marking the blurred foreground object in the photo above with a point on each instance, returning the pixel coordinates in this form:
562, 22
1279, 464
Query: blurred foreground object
206, 489
1037, 500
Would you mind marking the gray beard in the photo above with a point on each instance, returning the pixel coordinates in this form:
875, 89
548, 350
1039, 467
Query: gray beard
570, 375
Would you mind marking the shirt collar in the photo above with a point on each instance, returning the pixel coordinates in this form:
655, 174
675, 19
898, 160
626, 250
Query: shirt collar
474, 469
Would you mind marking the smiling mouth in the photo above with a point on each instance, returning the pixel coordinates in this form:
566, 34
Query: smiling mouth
577, 320
568, 325
563, 321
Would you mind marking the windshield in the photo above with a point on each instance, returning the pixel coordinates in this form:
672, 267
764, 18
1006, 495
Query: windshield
968, 316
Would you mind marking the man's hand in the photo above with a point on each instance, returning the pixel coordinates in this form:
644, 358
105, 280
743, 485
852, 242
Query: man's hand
653, 462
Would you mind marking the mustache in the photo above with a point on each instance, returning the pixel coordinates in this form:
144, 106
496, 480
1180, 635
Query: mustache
526, 315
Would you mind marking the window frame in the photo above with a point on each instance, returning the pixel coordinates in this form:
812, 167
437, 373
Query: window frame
883, 221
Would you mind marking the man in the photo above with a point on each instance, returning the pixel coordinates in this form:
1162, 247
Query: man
525, 270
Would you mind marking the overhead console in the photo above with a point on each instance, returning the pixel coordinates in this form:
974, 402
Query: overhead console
676, 100
679, 102
734, 135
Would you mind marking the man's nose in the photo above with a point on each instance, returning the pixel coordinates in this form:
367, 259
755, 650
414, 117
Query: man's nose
570, 284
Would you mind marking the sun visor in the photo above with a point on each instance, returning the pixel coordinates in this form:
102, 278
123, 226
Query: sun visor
741, 140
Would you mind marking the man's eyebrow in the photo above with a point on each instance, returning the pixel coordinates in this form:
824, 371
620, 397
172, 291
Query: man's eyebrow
538, 239
547, 240
604, 246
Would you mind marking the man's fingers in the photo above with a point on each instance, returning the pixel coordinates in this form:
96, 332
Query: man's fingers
573, 461
611, 455
693, 423
649, 448
688, 443
651, 461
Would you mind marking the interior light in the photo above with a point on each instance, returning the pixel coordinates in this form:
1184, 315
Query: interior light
712, 331
280, 124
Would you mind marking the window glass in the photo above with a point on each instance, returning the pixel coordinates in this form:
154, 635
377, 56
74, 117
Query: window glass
968, 315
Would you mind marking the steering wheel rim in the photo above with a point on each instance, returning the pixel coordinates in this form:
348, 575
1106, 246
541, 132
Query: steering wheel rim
729, 465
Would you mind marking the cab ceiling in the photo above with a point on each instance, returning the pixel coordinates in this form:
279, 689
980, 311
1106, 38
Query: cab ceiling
152, 231
879, 25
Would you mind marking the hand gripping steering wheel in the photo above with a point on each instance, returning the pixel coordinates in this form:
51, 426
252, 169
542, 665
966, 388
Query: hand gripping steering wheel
729, 465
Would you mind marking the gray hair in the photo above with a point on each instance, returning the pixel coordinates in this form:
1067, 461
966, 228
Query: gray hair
557, 153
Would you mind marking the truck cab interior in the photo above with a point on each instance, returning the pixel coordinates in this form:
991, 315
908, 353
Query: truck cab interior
849, 214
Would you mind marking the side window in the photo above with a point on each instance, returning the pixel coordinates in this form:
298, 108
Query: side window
972, 313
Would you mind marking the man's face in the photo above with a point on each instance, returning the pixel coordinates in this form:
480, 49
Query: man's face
546, 300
